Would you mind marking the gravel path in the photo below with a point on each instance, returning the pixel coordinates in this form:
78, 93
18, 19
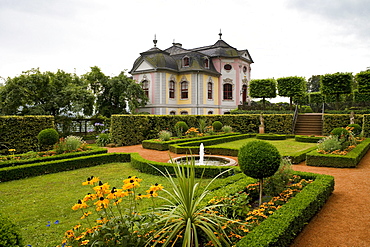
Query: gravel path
345, 218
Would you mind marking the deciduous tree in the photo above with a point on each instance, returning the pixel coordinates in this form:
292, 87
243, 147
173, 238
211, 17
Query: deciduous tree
293, 86
263, 88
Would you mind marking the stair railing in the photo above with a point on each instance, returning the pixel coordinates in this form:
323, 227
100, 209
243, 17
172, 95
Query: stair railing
295, 117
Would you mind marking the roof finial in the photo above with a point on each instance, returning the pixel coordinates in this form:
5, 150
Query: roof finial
220, 34
155, 40
173, 43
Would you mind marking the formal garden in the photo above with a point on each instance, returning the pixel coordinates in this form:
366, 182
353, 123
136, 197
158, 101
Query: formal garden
70, 193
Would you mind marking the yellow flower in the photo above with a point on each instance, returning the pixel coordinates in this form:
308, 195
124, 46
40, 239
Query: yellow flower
155, 187
85, 242
11, 150
80, 204
101, 203
91, 180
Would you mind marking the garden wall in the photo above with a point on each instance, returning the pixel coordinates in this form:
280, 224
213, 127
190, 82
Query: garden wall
332, 121
20, 132
133, 129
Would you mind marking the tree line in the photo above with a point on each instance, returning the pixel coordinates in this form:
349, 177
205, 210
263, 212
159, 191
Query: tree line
66, 94
296, 87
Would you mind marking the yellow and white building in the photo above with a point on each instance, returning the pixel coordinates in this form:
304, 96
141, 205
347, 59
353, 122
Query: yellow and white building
206, 80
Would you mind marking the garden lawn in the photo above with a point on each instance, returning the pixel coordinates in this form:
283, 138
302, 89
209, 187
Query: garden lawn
286, 147
41, 206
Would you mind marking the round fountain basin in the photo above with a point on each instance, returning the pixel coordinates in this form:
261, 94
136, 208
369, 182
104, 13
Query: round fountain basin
208, 160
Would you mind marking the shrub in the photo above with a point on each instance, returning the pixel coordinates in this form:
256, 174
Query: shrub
357, 129
217, 125
259, 159
103, 139
9, 233
275, 184
48, 137
202, 125
227, 129
340, 132
329, 144
73, 143
181, 127
164, 135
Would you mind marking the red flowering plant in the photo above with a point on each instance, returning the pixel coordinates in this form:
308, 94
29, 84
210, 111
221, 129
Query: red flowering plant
111, 215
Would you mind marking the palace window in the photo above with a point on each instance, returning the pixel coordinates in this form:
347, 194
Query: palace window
186, 61
210, 112
228, 91
210, 90
184, 90
172, 113
227, 67
171, 90
145, 87
184, 113
206, 63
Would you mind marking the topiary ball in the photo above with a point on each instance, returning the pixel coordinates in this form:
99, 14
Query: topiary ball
217, 125
357, 129
340, 132
259, 159
182, 126
48, 137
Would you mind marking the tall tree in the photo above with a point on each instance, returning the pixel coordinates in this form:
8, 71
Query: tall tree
291, 86
336, 84
262, 88
46, 93
115, 95
313, 84
363, 81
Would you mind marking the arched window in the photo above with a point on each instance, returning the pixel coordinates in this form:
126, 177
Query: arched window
184, 90
206, 63
184, 113
171, 90
145, 87
210, 90
210, 112
172, 113
186, 61
228, 91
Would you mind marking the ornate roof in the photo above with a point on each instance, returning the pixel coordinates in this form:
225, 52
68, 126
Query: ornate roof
172, 58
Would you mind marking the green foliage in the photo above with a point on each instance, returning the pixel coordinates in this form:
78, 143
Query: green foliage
339, 132
357, 129
270, 137
309, 139
338, 83
363, 81
217, 125
330, 143
37, 169
114, 93
316, 98
313, 84
202, 124
262, 88
332, 121
164, 135
46, 93
9, 233
292, 86
20, 133
275, 184
284, 225
227, 129
48, 137
103, 139
360, 97
349, 160
259, 159
181, 126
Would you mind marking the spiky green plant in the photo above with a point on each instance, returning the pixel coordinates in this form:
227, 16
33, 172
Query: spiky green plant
185, 220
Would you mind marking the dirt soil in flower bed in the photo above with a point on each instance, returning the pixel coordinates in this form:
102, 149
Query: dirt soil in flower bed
345, 218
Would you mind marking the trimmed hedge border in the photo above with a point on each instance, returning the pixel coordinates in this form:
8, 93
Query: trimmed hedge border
339, 161
154, 168
270, 137
280, 228
51, 158
36, 169
300, 156
193, 146
309, 139
164, 145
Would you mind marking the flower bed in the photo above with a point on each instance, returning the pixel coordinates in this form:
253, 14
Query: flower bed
157, 144
314, 158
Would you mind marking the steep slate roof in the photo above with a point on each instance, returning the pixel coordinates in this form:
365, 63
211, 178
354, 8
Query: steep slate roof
171, 58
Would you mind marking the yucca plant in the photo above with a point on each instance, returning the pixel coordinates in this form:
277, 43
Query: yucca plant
185, 221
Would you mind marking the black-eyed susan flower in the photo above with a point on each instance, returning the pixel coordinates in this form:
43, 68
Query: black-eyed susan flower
101, 203
91, 181
79, 205
156, 187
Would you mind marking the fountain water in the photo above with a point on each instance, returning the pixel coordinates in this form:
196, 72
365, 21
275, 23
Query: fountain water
202, 159
201, 154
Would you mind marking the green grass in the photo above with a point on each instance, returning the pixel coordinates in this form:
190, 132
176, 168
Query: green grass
32, 202
286, 147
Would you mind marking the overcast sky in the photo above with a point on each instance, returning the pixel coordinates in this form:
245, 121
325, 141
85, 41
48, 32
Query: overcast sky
284, 37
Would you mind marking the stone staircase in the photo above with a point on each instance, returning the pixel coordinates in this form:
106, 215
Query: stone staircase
309, 124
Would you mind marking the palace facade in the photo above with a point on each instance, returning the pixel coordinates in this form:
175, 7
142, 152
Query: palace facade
205, 80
